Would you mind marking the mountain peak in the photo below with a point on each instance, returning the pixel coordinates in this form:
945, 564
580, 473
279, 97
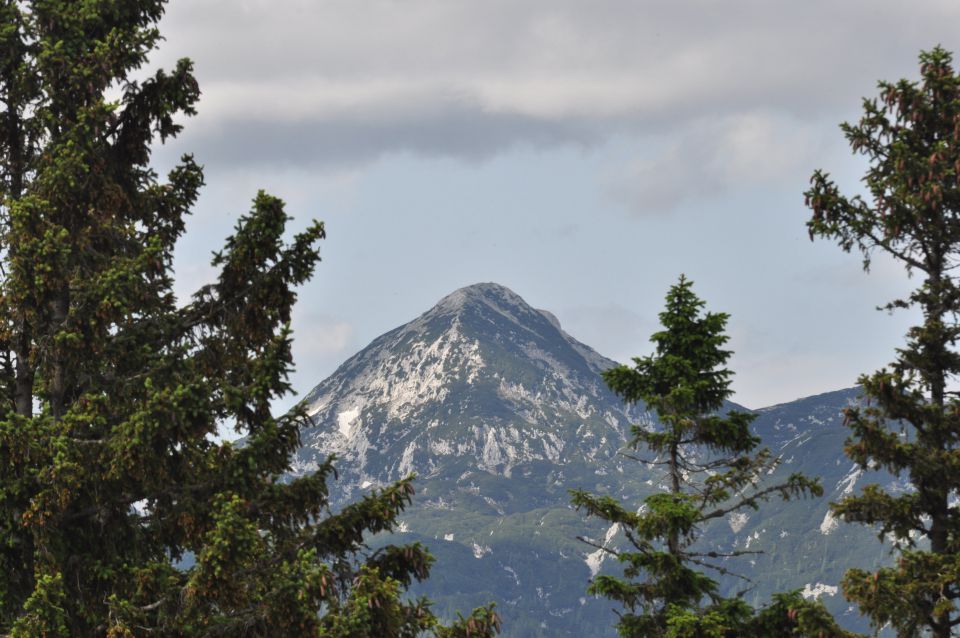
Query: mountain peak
489, 293
489, 289
481, 297
482, 375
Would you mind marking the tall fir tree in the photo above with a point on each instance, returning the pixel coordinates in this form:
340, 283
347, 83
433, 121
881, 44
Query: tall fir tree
112, 393
910, 424
712, 469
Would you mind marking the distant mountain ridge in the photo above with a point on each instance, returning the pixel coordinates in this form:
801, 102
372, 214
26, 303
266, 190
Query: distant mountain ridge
500, 412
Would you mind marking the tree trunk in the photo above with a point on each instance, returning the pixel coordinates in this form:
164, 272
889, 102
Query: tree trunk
935, 494
23, 388
673, 543
58, 380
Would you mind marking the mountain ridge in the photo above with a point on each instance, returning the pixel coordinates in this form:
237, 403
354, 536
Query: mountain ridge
500, 412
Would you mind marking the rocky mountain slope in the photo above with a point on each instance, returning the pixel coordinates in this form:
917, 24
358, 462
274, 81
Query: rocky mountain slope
499, 412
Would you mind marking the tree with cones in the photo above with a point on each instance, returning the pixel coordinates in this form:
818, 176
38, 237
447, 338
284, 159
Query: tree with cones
910, 423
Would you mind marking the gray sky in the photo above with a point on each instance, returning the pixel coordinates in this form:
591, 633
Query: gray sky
582, 153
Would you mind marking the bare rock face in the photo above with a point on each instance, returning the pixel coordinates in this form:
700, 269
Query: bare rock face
481, 381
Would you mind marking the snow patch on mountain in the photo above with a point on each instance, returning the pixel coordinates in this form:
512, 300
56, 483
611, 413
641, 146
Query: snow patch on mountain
346, 419
441, 448
479, 551
818, 590
849, 481
829, 523
300, 467
595, 559
405, 467
737, 520
498, 450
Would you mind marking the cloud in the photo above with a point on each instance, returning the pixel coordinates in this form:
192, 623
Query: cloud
345, 81
455, 128
320, 336
320, 344
714, 156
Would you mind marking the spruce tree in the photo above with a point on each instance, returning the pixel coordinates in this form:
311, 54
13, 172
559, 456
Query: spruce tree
712, 468
112, 392
910, 424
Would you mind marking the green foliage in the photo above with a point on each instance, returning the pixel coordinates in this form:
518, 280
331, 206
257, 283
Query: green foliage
712, 469
112, 392
789, 614
910, 425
